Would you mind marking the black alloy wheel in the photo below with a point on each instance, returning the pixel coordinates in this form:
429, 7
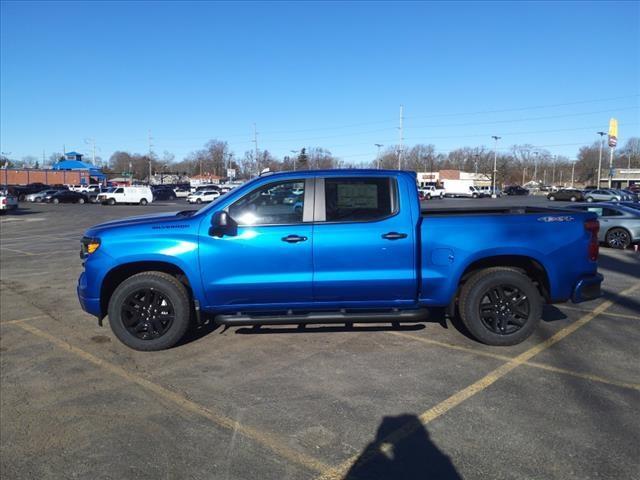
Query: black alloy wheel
147, 313
504, 309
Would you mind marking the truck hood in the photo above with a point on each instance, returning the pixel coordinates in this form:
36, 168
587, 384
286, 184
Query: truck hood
155, 218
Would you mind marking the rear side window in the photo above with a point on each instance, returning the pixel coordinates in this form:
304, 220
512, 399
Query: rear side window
610, 212
358, 199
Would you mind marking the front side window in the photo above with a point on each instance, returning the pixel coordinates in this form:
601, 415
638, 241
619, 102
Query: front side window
358, 199
279, 203
119, 190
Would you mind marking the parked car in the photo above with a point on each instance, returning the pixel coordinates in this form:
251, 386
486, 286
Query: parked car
135, 194
350, 258
571, 194
92, 194
21, 191
602, 195
516, 190
203, 196
163, 193
633, 196
66, 196
7, 202
181, 192
39, 196
619, 225
461, 188
488, 191
431, 191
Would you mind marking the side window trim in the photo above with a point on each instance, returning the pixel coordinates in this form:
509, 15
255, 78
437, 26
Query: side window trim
320, 212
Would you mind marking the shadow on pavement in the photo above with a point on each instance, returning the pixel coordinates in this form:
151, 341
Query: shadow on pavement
412, 456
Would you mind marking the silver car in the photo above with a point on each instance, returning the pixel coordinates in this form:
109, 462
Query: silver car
39, 196
603, 195
619, 225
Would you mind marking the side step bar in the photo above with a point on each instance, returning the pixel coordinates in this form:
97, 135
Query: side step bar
341, 316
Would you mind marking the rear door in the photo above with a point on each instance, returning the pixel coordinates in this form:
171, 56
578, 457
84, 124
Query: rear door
363, 247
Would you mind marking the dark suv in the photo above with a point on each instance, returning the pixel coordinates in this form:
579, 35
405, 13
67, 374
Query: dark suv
516, 190
570, 194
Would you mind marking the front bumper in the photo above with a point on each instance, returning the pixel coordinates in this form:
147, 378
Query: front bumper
89, 304
587, 288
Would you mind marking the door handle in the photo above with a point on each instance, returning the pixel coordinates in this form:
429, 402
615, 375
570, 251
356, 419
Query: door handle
294, 239
394, 236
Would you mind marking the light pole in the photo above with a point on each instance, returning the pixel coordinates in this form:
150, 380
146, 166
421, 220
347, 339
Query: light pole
524, 172
573, 170
495, 165
553, 174
602, 134
379, 145
295, 158
475, 163
535, 166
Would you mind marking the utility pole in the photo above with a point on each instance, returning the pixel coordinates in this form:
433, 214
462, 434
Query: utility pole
535, 166
43, 164
295, 158
524, 172
573, 170
553, 174
602, 134
379, 145
255, 144
475, 162
401, 145
151, 154
495, 164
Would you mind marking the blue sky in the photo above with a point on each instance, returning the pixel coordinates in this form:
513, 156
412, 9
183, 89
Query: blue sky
315, 74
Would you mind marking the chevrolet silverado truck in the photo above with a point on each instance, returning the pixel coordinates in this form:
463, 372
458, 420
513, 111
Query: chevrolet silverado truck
358, 250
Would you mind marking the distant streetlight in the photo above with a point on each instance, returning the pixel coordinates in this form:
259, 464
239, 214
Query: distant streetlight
602, 134
379, 145
495, 164
295, 158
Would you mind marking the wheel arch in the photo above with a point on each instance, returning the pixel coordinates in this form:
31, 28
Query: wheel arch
120, 273
528, 265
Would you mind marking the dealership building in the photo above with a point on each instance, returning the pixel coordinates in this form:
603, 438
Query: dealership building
425, 179
621, 178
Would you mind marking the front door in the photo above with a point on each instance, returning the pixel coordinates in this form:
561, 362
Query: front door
268, 262
363, 249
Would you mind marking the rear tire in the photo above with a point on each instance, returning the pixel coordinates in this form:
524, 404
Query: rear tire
131, 310
143, 201
55, 201
81, 201
552, 198
500, 306
573, 199
590, 199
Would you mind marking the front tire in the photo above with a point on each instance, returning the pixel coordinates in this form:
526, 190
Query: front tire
590, 199
552, 198
199, 201
573, 199
150, 311
143, 201
81, 201
618, 238
500, 306
111, 201
55, 201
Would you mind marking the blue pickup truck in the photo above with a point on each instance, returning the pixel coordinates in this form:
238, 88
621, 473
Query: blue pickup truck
335, 246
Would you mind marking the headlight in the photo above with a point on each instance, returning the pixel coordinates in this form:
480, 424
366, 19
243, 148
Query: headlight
88, 246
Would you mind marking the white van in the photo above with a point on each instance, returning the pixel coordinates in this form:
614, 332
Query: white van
137, 194
461, 188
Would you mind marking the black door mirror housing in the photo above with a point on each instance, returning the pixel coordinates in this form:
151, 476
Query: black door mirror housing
222, 224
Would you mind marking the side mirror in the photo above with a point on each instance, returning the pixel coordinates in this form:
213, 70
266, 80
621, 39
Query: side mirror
222, 224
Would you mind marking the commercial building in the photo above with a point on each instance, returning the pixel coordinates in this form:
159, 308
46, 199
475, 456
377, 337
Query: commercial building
621, 178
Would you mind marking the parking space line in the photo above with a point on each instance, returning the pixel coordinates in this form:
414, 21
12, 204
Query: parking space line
22, 320
264, 439
606, 314
469, 391
542, 366
15, 250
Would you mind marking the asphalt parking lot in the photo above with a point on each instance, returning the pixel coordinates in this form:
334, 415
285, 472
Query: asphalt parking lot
417, 402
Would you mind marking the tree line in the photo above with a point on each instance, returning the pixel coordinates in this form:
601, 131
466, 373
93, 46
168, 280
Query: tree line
519, 164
